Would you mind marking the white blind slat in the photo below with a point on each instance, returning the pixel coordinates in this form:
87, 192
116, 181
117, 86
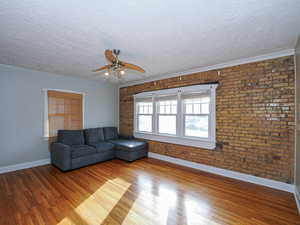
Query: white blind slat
145, 99
195, 95
165, 98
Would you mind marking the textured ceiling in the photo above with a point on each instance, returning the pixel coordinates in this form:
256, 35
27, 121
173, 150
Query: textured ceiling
69, 37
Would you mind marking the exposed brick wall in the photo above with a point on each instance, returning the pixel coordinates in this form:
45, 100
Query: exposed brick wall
255, 118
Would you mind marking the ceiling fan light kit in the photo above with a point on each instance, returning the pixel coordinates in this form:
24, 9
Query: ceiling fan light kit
117, 67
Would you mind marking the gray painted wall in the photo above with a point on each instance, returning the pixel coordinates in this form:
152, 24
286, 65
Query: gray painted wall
297, 156
21, 110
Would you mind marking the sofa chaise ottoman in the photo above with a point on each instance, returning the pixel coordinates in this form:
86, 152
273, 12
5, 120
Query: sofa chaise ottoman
126, 148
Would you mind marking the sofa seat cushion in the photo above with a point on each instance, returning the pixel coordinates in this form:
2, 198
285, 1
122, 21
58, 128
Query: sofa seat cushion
81, 150
102, 147
129, 145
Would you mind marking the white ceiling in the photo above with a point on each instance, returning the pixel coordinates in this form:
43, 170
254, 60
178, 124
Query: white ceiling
163, 36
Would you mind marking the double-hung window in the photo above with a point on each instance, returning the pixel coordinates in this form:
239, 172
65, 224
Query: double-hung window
196, 115
183, 115
166, 114
144, 107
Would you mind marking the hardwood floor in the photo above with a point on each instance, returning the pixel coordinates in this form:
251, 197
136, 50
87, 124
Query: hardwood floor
147, 191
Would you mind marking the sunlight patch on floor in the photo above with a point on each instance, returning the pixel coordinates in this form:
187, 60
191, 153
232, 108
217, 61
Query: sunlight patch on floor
94, 209
160, 206
167, 207
198, 212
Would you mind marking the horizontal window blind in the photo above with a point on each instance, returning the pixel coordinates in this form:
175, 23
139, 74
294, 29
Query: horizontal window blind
64, 112
146, 99
195, 95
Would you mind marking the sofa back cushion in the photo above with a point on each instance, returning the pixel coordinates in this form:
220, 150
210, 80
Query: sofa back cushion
93, 135
110, 133
70, 137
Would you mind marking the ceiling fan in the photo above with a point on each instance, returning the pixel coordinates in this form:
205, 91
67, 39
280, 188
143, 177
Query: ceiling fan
117, 67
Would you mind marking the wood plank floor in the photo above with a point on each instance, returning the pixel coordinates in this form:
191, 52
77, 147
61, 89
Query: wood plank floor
147, 191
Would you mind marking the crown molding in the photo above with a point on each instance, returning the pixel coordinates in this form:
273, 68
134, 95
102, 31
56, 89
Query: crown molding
286, 52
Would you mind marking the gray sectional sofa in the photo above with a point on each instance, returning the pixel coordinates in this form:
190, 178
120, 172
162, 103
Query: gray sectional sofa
78, 148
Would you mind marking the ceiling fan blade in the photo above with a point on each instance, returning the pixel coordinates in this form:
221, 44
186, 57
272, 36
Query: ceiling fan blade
133, 67
102, 68
109, 55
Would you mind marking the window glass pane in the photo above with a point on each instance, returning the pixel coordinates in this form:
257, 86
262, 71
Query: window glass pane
140, 109
196, 105
196, 108
167, 107
145, 123
196, 126
150, 108
189, 108
167, 124
174, 109
144, 108
205, 108
162, 108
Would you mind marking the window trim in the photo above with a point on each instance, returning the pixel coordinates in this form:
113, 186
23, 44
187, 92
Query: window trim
179, 138
45, 135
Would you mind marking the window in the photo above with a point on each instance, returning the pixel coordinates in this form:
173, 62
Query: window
196, 114
183, 116
167, 114
144, 115
63, 110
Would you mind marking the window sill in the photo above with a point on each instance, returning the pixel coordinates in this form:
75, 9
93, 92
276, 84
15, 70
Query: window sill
177, 140
45, 138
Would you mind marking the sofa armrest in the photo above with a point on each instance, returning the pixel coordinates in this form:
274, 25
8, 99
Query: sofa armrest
61, 156
124, 136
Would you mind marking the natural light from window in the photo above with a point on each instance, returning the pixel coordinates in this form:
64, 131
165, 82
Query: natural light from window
196, 116
97, 206
183, 115
145, 116
167, 116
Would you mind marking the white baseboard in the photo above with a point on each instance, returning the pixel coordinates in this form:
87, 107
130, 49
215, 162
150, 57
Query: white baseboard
26, 165
227, 173
297, 198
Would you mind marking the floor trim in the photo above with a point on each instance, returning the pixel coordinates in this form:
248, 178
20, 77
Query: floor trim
26, 165
227, 173
297, 198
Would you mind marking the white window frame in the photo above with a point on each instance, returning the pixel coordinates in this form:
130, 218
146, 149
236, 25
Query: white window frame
137, 118
179, 138
157, 114
45, 135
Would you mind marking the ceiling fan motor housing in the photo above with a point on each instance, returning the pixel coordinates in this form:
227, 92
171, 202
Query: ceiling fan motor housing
116, 51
